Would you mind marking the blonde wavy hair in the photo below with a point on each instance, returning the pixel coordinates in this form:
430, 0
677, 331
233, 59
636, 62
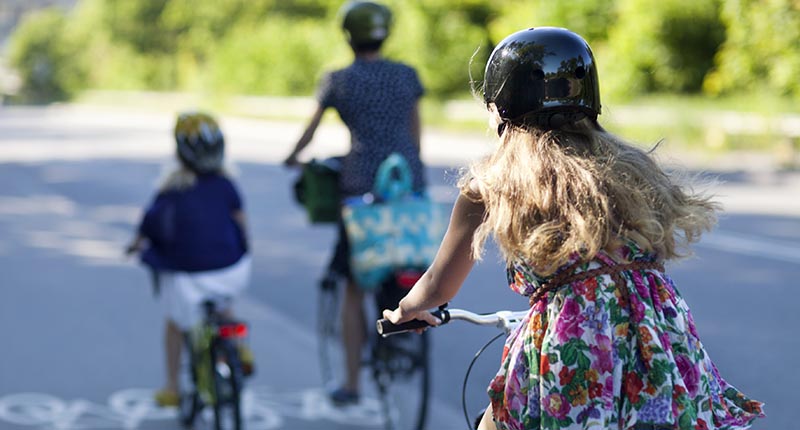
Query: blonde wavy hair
550, 194
178, 177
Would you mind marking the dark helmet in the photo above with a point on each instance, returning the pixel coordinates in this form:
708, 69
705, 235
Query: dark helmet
365, 22
542, 76
201, 146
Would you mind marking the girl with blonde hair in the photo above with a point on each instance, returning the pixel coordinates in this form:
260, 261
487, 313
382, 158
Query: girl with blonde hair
193, 237
585, 222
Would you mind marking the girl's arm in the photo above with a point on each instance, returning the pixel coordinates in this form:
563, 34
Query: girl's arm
148, 226
450, 268
241, 221
305, 139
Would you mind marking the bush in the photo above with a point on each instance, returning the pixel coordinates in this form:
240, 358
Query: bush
282, 47
761, 51
589, 18
661, 46
444, 44
265, 60
47, 57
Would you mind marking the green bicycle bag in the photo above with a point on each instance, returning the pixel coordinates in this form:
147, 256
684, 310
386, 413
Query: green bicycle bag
317, 190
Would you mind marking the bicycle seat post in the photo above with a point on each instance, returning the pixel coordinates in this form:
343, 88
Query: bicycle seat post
210, 308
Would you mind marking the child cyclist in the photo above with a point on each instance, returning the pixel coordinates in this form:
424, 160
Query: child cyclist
378, 101
585, 222
193, 238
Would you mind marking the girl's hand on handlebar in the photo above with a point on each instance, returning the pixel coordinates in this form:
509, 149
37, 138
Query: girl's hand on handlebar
397, 316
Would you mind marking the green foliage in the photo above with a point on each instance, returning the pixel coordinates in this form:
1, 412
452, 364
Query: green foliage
282, 47
443, 44
47, 57
139, 24
661, 46
589, 18
761, 52
262, 60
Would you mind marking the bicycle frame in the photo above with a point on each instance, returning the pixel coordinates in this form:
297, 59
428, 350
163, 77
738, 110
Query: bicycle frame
216, 368
506, 321
396, 365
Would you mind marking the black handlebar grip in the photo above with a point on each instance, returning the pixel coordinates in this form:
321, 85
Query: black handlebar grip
386, 327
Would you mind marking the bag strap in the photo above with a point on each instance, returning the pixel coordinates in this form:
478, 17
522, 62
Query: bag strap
393, 179
567, 276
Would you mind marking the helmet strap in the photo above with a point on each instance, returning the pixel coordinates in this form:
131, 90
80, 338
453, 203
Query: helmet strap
501, 128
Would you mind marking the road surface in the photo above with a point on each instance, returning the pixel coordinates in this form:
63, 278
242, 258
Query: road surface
82, 333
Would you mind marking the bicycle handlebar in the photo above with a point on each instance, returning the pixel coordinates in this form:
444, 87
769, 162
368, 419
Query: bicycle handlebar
505, 320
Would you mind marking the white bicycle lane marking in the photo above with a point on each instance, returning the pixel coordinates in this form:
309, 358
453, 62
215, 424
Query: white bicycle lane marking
262, 409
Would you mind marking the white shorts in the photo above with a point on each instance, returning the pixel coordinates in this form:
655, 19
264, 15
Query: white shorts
183, 293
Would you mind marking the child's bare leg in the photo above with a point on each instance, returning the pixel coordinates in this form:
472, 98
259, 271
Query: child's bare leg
487, 423
173, 339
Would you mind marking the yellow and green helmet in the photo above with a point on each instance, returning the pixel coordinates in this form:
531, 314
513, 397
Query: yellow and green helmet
200, 143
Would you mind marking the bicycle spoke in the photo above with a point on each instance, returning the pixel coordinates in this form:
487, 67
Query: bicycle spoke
401, 374
331, 356
190, 403
227, 387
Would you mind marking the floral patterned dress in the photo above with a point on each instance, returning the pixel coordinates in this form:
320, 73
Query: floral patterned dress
590, 357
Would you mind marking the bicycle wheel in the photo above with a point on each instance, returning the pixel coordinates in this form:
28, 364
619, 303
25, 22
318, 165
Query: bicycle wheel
331, 356
227, 382
190, 403
400, 371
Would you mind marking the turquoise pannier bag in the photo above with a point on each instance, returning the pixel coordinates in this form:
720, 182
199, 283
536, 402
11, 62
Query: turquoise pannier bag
392, 228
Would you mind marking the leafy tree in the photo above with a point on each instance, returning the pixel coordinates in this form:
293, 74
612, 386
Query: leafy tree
282, 47
140, 25
443, 43
589, 18
662, 45
47, 57
263, 60
761, 50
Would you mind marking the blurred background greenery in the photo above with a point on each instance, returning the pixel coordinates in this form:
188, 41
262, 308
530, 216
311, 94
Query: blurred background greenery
680, 55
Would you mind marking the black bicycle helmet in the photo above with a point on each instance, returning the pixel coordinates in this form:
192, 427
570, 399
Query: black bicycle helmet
201, 146
365, 23
544, 77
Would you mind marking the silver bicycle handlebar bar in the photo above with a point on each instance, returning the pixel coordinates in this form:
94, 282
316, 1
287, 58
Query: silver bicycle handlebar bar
504, 320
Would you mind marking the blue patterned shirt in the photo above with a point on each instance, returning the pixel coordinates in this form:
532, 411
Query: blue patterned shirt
375, 100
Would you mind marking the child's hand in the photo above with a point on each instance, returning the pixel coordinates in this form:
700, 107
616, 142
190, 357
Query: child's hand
135, 247
397, 316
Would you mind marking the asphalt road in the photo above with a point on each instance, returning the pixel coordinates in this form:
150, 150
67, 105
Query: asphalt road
82, 333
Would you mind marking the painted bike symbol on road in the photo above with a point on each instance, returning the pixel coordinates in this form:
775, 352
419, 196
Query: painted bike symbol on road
262, 407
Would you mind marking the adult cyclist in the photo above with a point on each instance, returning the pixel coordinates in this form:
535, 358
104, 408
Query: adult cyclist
377, 99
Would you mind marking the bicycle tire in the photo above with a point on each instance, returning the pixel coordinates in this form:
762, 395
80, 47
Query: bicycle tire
189, 399
401, 372
329, 347
227, 382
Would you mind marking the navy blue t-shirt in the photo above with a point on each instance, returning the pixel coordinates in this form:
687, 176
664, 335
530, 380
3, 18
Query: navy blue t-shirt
193, 230
375, 99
